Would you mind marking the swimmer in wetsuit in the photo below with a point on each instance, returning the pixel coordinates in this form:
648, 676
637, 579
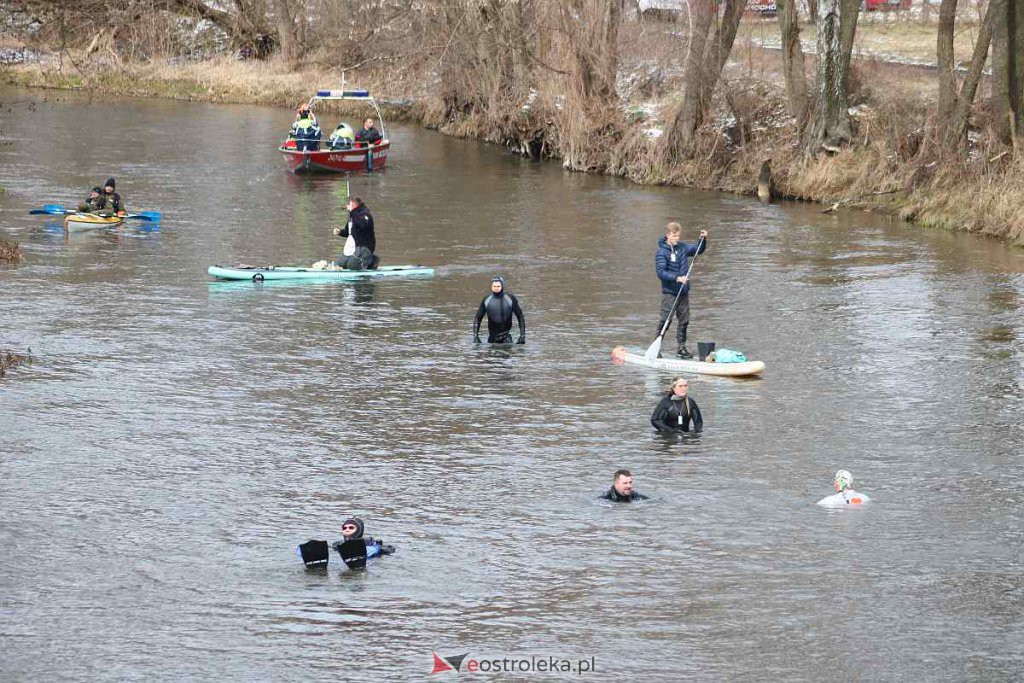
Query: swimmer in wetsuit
844, 496
499, 306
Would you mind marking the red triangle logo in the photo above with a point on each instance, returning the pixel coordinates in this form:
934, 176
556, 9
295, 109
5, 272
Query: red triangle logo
440, 665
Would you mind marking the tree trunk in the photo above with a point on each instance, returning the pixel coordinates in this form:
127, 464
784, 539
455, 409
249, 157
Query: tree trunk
946, 61
926, 11
705, 60
1008, 65
830, 124
287, 33
961, 115
793, 60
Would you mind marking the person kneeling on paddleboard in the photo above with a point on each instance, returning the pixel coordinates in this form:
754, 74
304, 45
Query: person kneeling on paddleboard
622, 489
845, 496
677, 412
499, 306
359, 250
670, 264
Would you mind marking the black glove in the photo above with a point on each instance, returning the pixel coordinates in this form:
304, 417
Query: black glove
477, 340
387, 549
522, 339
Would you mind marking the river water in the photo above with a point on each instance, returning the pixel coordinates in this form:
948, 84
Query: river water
175, 438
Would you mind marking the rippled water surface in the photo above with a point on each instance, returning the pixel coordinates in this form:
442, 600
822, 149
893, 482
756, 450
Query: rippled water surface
175, 438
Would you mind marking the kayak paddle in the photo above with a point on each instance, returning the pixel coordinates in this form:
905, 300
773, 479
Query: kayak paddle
149, 216
51, 210
655, 348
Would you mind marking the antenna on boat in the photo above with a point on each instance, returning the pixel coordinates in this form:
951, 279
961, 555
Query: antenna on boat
343, 80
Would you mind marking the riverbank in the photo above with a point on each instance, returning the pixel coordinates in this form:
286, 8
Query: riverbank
893, 167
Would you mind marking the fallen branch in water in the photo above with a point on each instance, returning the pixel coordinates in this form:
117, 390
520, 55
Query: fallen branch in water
9, 250
9, 360
835, 206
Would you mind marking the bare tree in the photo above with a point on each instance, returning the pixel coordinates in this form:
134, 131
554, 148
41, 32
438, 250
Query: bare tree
705, 59
1008, 66
793, 60
830, 124
290, 25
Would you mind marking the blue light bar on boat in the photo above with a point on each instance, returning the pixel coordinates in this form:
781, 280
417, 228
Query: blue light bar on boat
342, 93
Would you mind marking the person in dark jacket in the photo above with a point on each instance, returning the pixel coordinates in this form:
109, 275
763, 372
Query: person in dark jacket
677, 411
499, 306
110, 201
89, 205
368, 135
671, 264
360, 227
622, 489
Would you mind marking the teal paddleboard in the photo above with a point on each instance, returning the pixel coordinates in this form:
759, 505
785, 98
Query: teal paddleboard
263, 273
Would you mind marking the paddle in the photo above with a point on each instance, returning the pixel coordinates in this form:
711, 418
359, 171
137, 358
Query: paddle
350, 241
149, 216
655, 348
52, 210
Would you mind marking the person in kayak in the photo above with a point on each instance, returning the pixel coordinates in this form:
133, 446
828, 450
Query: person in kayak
671, 264
368, 135
110, 201
352, 529
621, 490
844, 496
343, 137
360, 227
676, 411
89, 205
499, 306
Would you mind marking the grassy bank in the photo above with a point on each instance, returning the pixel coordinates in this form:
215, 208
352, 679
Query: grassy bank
894, 167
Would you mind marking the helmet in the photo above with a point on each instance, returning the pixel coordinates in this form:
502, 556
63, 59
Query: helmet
843, 480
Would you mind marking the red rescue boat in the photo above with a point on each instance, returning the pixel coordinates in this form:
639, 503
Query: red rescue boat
356, 159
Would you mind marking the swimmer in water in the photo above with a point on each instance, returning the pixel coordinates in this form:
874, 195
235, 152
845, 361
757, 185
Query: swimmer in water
844, 496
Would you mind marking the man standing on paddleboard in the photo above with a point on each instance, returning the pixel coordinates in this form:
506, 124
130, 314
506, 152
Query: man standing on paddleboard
670, 264
499, 306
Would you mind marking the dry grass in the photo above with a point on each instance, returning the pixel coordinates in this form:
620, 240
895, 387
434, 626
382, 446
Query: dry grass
10, 360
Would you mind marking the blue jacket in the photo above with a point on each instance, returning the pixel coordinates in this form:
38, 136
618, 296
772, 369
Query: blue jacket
671, 262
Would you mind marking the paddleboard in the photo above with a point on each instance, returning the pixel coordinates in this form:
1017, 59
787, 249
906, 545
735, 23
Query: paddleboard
262, 273
751, 368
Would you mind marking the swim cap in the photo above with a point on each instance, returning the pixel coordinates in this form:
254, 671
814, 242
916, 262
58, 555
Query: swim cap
843, 480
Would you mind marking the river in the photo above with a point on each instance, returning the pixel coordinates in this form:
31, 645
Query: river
175, 438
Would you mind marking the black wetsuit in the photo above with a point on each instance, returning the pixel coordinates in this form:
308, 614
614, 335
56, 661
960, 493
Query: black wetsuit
360, 222
677, 414
499, 309
616, 497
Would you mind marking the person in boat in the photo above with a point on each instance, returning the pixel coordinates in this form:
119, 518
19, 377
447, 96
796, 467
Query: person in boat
343, 137
89, 205
844, 496
499, 306
306, 131
671, 265
676, 411
352, 529
368, 135
110, 201
621, 490
360, 227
